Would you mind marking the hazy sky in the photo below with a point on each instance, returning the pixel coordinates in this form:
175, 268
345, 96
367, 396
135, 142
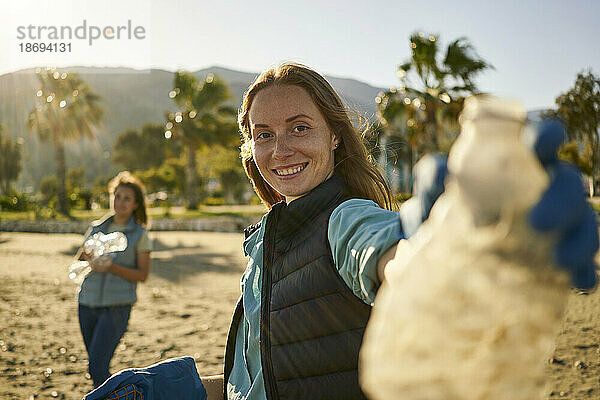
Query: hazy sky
536, 47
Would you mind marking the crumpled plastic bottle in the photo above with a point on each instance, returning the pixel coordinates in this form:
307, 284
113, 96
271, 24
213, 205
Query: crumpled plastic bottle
472, 303
102, 248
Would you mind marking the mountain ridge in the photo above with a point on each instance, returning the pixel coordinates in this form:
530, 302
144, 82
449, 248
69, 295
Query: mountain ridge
131, 98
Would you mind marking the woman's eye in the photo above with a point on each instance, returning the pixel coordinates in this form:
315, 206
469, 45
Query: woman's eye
263, 135
300, 128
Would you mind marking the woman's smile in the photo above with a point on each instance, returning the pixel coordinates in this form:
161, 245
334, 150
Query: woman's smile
290, 171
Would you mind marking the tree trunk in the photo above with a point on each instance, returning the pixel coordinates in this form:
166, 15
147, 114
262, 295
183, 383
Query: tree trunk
191, 177
61, 181
411, 163
431, 125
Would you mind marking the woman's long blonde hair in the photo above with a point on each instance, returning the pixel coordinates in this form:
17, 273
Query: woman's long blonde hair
352, 160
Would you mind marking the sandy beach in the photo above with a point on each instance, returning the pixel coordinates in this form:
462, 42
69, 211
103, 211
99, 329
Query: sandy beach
184, 308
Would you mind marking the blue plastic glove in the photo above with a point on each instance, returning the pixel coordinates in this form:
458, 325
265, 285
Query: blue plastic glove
563, 208
430, 173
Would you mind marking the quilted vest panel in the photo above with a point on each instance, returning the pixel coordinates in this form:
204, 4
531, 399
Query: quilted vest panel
311, 323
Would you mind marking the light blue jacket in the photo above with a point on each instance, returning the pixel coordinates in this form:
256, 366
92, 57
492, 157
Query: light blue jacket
107, 289
359, 232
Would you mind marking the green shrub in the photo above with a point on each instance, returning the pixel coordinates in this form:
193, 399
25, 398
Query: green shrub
48, 190
14, 201
41, 212
214, 201
80, 199
254, 200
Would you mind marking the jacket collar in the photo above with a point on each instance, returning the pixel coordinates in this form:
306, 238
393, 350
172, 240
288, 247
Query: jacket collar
294, 215
103, 223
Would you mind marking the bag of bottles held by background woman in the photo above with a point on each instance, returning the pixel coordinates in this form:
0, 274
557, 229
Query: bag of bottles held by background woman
102, 249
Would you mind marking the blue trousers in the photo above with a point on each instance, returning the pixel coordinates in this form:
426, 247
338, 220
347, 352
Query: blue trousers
102, 329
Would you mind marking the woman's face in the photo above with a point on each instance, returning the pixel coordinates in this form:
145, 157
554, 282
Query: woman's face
124, 203
292, 145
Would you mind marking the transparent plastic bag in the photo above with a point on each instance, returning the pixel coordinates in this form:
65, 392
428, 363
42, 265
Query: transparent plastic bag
472, 303
101, 248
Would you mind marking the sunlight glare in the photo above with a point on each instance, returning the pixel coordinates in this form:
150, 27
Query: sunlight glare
445, 98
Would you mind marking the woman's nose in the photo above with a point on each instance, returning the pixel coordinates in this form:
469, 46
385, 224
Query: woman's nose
282, 148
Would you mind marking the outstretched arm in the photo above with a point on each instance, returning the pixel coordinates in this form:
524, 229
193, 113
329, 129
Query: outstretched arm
384, 260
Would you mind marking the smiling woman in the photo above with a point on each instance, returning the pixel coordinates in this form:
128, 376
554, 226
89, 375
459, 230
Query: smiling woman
305, 302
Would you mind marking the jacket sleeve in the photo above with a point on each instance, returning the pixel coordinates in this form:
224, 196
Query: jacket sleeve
359, 233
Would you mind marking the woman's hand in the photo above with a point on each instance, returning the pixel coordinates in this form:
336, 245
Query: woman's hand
83, 256
563, 209
429, 180
101, 264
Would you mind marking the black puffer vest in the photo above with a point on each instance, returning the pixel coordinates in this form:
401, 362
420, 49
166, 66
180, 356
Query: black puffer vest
311, 323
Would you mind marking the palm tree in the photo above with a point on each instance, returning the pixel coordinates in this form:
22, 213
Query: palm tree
66, 109
204, 118
10, 162
398, 133
579, 109
433, 86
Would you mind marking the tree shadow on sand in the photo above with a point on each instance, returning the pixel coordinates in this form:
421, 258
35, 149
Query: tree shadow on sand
3, 239
175, 263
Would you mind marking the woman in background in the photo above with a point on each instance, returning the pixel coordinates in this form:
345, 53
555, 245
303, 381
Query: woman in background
109, 290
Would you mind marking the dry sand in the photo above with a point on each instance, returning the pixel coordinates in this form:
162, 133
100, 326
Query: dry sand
184, 308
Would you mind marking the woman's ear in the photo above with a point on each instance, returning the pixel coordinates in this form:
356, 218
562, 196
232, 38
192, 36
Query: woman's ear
335, 142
